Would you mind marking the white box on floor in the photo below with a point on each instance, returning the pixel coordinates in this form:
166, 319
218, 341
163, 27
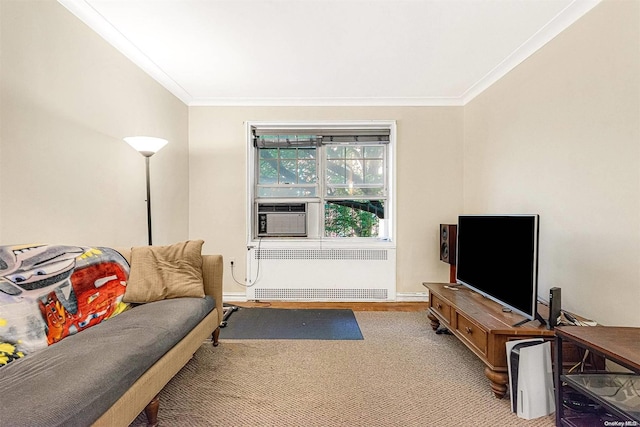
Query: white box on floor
530, 378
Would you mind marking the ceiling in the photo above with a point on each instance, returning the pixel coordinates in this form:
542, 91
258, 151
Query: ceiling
327, 52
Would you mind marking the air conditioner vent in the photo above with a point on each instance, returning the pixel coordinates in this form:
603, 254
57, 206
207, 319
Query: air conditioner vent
282, 207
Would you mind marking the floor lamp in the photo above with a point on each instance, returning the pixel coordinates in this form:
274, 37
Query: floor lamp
147, 146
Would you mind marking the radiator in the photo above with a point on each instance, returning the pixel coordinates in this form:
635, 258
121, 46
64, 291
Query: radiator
322, 274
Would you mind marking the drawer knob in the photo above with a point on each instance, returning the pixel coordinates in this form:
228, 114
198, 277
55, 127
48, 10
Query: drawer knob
439, 306
469, 330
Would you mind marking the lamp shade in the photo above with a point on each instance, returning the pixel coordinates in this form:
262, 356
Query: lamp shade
146, 145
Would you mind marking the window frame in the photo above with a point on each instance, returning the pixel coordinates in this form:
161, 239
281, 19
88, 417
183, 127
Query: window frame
388, 185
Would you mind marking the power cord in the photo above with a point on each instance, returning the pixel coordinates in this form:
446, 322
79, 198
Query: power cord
569, 319
257, 272
240, 283
580, 364
234, 276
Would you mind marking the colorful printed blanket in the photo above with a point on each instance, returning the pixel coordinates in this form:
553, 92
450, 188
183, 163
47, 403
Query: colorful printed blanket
48, 292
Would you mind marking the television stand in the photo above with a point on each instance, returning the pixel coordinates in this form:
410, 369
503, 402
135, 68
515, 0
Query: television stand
483, 327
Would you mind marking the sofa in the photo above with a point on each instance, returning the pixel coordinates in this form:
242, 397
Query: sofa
109, 373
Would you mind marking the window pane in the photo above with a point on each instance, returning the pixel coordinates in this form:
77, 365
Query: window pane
354, 152
268, 153
307, 153
353, 218
288, 153
268, 172
306, 171
335, 152
376, 152
288, 171
288, 191
336, 172
355, 192
354, 172
374, 172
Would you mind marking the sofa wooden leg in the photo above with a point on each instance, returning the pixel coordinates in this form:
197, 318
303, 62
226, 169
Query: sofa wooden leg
215, 335
151, 411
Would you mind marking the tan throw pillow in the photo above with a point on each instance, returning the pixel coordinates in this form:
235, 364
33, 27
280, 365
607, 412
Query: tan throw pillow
163, 272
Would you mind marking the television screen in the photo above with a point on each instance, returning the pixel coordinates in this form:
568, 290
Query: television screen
497, 256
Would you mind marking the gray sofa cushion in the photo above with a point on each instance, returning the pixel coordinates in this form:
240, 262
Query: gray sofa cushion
74, 381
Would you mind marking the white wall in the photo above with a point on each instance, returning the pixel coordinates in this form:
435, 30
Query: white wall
67, 100
560, 136
429, 180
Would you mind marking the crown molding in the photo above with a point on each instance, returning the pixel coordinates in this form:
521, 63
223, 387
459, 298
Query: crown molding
570, 14
92, 18
95, 21
326, 102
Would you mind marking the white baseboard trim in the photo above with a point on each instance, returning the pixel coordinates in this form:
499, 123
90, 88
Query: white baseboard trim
400, 296
234, 297
412, 296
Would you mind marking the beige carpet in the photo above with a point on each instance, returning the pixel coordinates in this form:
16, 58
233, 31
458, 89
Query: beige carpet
401, 374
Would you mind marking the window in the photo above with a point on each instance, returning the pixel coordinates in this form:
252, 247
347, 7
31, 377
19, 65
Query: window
287, 172
342, 174
355, 190
353, 218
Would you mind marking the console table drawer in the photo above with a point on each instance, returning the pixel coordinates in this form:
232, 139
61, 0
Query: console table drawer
441, 307
472, 333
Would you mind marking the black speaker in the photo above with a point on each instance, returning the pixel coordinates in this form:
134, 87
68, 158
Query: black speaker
555, 305
448, 243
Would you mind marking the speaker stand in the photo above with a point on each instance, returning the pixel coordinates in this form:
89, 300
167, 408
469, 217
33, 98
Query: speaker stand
452, 273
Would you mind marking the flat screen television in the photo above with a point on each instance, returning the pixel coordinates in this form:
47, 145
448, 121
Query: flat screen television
497, 256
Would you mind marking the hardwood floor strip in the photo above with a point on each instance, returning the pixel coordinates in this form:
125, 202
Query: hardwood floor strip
355, 306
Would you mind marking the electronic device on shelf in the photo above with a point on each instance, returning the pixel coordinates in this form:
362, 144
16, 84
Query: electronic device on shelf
497, 256
555, 306
579, 402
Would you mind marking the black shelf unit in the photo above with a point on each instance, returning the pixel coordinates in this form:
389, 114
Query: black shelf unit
597, 398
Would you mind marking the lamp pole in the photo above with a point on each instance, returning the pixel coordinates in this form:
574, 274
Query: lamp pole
147, 146
146, 162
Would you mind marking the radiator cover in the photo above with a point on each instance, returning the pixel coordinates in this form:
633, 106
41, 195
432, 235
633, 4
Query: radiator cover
322, 274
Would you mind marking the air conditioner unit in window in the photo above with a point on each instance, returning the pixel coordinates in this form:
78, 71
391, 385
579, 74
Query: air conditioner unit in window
281, 220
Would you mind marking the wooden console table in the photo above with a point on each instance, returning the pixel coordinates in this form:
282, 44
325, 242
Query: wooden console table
482, 326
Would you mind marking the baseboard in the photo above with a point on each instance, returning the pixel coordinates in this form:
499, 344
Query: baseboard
234, 297
412, 296
400, 297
